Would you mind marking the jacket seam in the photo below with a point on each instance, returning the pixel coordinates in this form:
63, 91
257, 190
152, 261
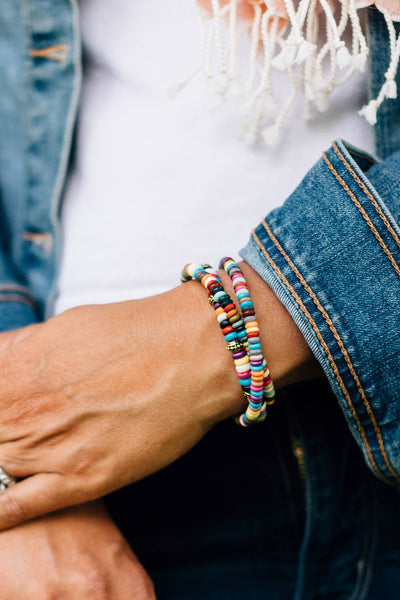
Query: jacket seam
16, 298
364, 214
328, 353
354, 153
368, 194
342, 348
14, 287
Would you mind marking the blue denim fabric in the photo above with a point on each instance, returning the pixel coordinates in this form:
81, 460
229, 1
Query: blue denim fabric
40, 75
234, 520
387, 128
331, 253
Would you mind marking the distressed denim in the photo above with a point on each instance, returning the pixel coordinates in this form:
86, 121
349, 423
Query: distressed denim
293, 509
40, 74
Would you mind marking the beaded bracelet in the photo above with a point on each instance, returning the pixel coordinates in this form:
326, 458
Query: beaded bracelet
230, 321
241, 334
262, 390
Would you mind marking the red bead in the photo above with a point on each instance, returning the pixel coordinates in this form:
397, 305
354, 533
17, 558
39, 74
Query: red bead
228, 329
251, 334
229, 307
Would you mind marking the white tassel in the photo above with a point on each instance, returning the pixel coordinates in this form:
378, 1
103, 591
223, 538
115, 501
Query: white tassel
233, 89
360, 60
218, 35
232, 68
269, 105
271, 135
250, 131
309, 91
222, 84
294, 50
287, 56
281, 61
254, 39
307, 110
305, 50
369, 112
389, 89
343, 56
322, 100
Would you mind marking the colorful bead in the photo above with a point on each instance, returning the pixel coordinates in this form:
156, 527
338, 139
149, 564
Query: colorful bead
241, 333
261, 386
230, 321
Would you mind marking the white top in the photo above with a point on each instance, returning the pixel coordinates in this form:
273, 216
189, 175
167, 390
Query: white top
160, 182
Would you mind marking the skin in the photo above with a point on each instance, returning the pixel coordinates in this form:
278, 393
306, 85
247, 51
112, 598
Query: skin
104, 395
76, 554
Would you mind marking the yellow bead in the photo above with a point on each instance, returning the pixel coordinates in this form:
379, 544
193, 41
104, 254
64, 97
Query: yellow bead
242, 361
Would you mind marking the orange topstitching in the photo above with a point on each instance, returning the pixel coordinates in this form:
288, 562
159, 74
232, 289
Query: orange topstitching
342, 348
368, 194
364, 214
328, 352
354, 153
58, 53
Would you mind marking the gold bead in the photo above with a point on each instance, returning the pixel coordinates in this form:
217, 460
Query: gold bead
234, 346
211, 300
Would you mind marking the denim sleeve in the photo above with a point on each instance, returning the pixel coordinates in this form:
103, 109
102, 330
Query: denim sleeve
331, 254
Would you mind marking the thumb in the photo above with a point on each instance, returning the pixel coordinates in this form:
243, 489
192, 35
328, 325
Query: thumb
30, 498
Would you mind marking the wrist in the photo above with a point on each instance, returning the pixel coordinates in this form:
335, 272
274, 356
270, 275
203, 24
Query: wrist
289, 358
223, 395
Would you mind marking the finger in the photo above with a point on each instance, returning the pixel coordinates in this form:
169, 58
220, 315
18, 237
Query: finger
31, 498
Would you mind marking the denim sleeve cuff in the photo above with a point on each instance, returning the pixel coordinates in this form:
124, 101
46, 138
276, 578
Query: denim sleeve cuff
331, 254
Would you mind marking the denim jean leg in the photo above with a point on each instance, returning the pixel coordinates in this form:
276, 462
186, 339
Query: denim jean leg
225, 521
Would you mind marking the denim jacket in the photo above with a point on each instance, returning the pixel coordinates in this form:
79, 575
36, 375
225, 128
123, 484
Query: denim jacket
331, 253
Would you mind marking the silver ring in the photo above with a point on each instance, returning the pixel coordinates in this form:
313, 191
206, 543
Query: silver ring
6, 480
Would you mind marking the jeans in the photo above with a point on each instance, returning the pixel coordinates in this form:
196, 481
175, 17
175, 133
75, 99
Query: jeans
287, 510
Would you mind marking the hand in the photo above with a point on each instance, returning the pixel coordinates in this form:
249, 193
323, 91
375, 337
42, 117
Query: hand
77, 554
101, 396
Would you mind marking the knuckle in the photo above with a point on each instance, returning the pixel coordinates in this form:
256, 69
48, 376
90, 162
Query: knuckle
13, 510
92, 580
51, 591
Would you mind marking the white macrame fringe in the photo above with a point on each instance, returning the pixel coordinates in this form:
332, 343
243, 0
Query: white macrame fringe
286, 37
389, 88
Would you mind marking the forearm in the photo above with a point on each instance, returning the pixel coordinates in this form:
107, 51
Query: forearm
289, 358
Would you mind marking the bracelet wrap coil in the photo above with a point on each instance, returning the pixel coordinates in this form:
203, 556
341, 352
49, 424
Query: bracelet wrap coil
241, 333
